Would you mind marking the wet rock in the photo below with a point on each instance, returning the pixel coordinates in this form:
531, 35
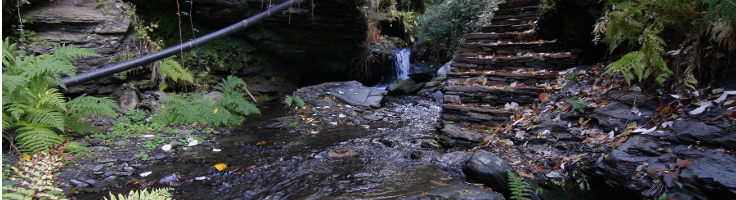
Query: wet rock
453, 162
438, 96
138, 166
99, 148
213, 96
455, 131
615, 115
160, 156
127, 98
208, 144
455, 189
96, 141
341, 153
129, 169
351, 92
108, 173
712, 174
400, 86
78, 183
97, 167
692, 131
489, 169
95, 183
372, 117
170, 178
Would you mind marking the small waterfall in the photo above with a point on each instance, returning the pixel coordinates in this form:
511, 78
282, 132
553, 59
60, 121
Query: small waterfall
402, 63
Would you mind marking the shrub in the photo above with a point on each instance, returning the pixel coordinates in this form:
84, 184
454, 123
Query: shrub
441, 28
33, 109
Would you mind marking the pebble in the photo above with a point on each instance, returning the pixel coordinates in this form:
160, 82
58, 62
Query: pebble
208, 144
139, 166
169, 178
96, 141
95, 183
78, 183
109, 173
160, 156
110, 178
123, 173
129, 169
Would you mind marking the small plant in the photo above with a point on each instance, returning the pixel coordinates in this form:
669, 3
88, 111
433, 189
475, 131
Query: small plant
35, 176
520, 190
577, 104
289, 100
191, 108
583, 183
293, 125
154, 194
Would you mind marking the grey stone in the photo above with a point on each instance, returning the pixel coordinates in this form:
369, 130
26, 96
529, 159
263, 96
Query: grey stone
78, 183
95, 183
97, 167
170, 178
160, 156
615, 116
213, 96
137, 166
438, 96
128, 100
453, 162
129, 169
455, 189
454, 131
489, 169
108, 173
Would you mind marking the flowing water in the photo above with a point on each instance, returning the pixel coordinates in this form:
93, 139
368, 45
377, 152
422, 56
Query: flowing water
403, 63
393, 160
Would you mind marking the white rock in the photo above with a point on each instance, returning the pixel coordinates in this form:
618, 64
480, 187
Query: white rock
144, 174
166, 147
193, 143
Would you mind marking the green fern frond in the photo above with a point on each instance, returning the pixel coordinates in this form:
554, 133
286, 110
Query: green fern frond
520, 190
70, 53
299, 102
84, 105
35, 177
46, 116
230, 84
632, 61
154, 194
288, 100
37, 137
169, 69
13, 82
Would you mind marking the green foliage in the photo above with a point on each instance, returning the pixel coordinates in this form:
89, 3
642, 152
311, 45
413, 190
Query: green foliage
578, 105
193, 108
548, 5
35, 177
154, 194
227, 54
441, 28
520, 190
169, 69
636, 27
288, 100
32, 108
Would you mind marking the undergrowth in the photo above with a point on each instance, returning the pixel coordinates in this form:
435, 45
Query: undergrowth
193, 108
520, 190
662, 39
34, 176
154, 194
33, 109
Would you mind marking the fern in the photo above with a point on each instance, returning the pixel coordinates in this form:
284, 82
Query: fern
520, 190
84, 106
35, 177
33, 109
169, 69
288, 100
154, 194
722, 9
227, 111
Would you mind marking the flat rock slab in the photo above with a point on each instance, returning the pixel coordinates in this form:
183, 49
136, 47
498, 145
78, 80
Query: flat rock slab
350, 92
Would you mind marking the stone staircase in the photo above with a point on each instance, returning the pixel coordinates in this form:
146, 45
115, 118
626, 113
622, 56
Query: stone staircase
500, 64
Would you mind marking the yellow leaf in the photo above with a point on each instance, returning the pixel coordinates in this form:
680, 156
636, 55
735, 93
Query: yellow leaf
729, 102
26, 157
220, 166
215, 111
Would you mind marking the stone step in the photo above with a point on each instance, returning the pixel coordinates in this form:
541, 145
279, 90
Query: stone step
507, 28
526, 10
514, 20
491, 96
518, 3
546, 61
474, 114
471, 77
494, 37
507, 48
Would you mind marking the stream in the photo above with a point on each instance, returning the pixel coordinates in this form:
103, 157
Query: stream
394, 159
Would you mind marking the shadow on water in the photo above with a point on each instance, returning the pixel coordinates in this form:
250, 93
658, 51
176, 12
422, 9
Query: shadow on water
392, 161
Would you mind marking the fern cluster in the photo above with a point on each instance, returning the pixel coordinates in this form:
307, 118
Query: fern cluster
288, 100
33, 110
192, 108
154, 194
520, 190
636, 27
35, 177
169, 70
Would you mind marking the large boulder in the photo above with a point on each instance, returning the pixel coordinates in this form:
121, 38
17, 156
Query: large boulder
401, 86
350, 92
489, 169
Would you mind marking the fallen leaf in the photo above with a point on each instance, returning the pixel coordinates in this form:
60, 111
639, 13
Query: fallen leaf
729, 102
543, 97
260, 143
670, 178
220, 166
632, 125
683, 163
586, 140
655, 170
536, 168
703, 105
215, 112
26, 157
644, 130
558, 165
508, 128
